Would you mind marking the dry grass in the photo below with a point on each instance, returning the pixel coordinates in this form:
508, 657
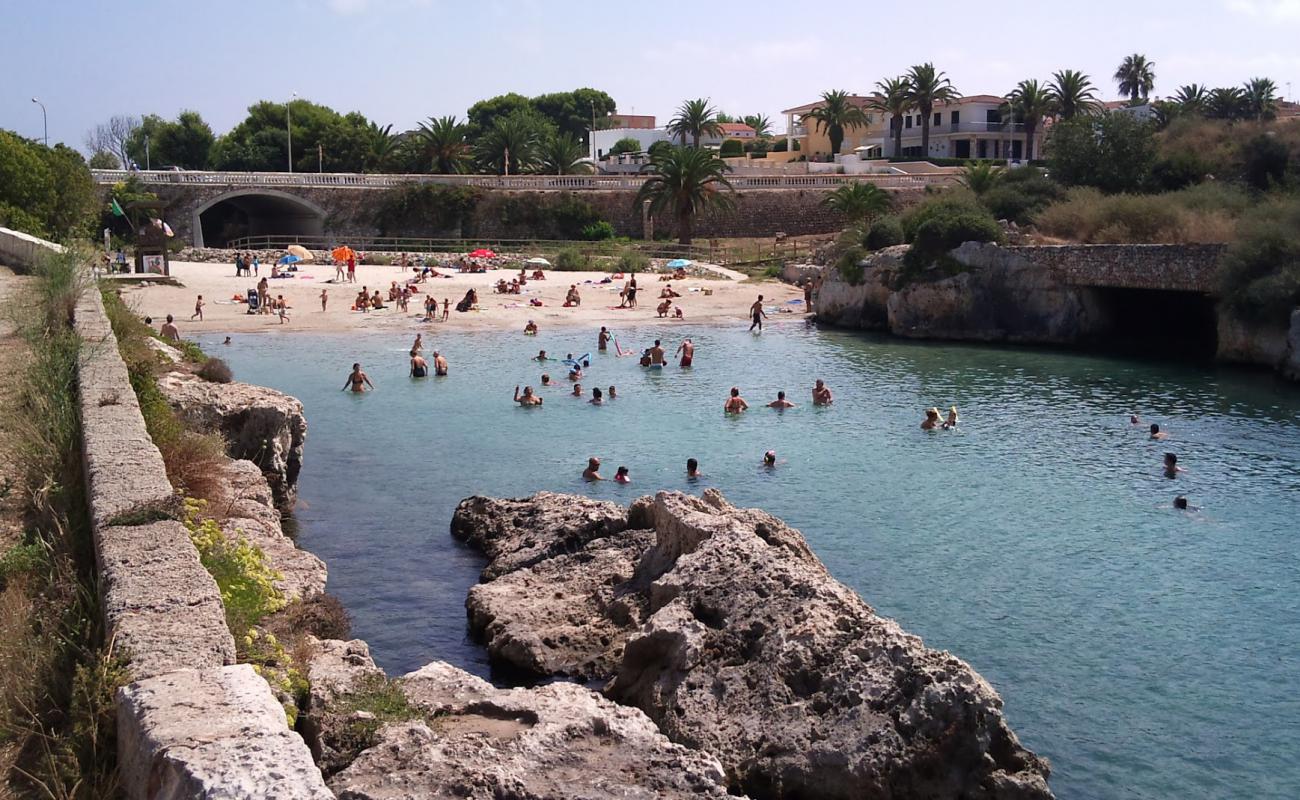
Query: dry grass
1088, 216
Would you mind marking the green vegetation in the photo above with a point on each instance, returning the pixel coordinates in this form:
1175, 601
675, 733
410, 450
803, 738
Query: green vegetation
439, 145
685, 182
44, 191
625, 145
632, 261
1259, 276
731, 148
562, 154
1111, 152
884, 232
859, 202
424, 207
943, 223
384, 703
186, 142
925, 87
1073, 94
1136, 77
695, 118
1019, 194
836, 114
894, 101
571, 259
598, 231
1086, 215
245, 579
1030, 102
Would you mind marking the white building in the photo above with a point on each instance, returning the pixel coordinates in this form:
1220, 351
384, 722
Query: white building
603, 141
969, 127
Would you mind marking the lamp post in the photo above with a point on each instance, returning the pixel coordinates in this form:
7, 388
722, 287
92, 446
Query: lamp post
45, 119
288, 124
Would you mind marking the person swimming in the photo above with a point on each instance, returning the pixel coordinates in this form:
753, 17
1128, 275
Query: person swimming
769, 459
780, 403
596, 397
527, 398
541, 356
622, 476
357, 380
1171, 466
951, 421
1157, 434
577, 390
530, 329
419, 367
546, 379
931, 419
735, 404
613, 393
692, 468
821, 394
592, 472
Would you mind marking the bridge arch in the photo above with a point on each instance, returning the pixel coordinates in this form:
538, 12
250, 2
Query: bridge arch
255, 212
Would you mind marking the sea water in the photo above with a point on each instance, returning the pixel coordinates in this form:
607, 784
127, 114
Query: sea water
1148, 652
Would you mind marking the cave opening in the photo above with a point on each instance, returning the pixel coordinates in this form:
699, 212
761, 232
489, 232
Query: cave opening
1144, 322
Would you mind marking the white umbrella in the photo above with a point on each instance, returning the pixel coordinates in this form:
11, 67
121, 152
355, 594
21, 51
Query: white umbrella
538, 260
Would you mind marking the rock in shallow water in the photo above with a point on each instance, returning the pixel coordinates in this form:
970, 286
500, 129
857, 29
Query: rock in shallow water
732, 636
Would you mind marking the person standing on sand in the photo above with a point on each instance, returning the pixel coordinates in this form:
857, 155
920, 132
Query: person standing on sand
446, 308
821, 394
631, 292
357, 381
198, 309
687, 352
352, 269
324, 298
168, 330
735, 404
757, 313
602, 341
592, 472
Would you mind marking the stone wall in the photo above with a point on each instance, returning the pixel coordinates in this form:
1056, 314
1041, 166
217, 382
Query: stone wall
20, 250
1167, 267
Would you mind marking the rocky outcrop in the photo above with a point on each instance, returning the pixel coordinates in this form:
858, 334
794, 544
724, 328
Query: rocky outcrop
467, 739
250, 512
1242, 341
260, 425
739, 643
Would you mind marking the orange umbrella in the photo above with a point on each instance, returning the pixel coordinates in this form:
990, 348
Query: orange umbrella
299, 251
343, 253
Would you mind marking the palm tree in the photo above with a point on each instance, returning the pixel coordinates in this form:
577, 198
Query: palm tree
836, 113
859, 202
980, 177
442, 141
381, 146
1136, 77
760, 123
1226, 103
511, 145
1075, 95
685, 182
695, 118
1259, 98
925, 87
1192, 99
892, 99
562, 154
1031, 101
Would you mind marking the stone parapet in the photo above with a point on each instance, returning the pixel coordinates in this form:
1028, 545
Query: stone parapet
1166, 267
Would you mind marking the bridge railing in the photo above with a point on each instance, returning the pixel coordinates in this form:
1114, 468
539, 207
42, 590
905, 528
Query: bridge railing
521, 182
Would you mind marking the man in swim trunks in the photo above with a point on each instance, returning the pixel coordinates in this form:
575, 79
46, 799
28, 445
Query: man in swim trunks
168, 330
419, 367
657, 355
631, 292
592, 472
439, 364
757, 313
1157, 434
821, 394
735, 404
527, 398
602, 341
780, 403
357, 381
687, 352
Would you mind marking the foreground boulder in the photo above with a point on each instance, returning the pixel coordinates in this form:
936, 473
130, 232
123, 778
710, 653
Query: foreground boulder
731, 635
249, 510
260, 425
456, 736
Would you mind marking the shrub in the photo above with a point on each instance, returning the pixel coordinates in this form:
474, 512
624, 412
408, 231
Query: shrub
849, 265
424, 208
1021, 194
1111, 152
731, 148
1178, 171
945, 204
625, 145
321, 615
571, 259
1264, 161
656, 148
383, 702
214, 370
884, 232
632, 261
242, 573
942, 224
20, 560
1088, 216
598, 231
1259, 276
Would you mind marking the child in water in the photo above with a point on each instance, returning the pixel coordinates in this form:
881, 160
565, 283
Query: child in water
621, 476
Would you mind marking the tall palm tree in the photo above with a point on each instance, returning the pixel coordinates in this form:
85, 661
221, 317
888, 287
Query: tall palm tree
859, 202
562, 154
925, 87
511, 145
695, 118
1031, 101
1136, 77
442, 142
381, 146
836, 113
1259, 96
980, 176
892, 99
1192, 99
685, 182
1226, 103
761, 124
1075, 95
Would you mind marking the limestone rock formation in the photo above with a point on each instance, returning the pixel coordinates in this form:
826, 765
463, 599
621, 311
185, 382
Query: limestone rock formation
471, 740
336, 669
251, 512
744, 646
260, 425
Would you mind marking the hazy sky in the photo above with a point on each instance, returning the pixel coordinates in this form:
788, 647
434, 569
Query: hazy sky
399, 61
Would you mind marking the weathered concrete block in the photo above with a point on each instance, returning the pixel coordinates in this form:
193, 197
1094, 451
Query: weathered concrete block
215, 733
160, 604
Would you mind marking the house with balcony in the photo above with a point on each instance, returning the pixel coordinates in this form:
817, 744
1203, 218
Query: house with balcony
816, 144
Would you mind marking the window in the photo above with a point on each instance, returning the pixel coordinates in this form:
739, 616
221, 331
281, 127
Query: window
938, 118
956, 118
993, 116
907, 121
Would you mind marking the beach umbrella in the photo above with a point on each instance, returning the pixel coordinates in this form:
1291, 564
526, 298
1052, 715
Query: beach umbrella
343, 253
679, 263
300, 251
290, 259
482, 253
538, 261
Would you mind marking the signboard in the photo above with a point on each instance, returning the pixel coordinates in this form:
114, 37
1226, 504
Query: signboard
153, 264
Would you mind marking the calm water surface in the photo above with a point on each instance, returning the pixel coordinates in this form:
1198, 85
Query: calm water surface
1149, 653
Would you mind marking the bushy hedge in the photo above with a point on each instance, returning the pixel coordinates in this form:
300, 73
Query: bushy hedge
598, 231
1191, 216
1259, 276
424, 209
571, 259
884, 232
731, 148
943, 223
1020, 194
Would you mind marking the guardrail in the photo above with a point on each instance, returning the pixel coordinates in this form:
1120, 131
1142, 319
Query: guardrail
523, 182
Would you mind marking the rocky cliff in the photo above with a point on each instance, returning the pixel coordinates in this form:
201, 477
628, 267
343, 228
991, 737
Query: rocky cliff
723, 627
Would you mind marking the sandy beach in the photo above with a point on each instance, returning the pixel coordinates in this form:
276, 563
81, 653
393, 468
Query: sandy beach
727, 303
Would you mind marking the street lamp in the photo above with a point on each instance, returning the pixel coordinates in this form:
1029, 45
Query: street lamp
44, 118
288, 123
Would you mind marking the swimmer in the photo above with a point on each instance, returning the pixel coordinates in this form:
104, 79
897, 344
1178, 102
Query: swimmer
596, 398
735, 404
546, 379
613, 393
621, 476
227, 341
527, 398
1157, 434
657, 355
439, 365
1134, 420
577, 390
821, 394
419, 367
931, 419
592, 472
951, 421
687, 352
168, 330
780, 403
575, 373
1171, 466
530, 329
357, 381
541, 356
757, 314
1180, 503
602, 341
769, 459
692, 468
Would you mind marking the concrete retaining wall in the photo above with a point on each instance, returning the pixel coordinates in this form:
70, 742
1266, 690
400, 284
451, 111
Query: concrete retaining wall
193, 724
20, 250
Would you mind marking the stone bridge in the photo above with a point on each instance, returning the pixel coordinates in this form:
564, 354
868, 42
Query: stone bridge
209, 208
1160, 267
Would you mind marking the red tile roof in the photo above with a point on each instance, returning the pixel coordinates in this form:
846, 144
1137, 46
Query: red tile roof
735, 127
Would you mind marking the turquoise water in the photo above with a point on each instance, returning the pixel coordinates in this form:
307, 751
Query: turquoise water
1150, 653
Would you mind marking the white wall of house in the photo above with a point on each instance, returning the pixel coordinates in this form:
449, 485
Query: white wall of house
603, 141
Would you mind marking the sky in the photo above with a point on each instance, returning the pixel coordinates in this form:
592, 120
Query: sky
401, 61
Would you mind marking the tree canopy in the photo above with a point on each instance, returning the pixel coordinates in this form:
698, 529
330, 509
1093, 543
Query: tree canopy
44, 191
184, 142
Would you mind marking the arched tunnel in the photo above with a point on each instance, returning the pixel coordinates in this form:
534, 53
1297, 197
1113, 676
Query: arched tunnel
261, 212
